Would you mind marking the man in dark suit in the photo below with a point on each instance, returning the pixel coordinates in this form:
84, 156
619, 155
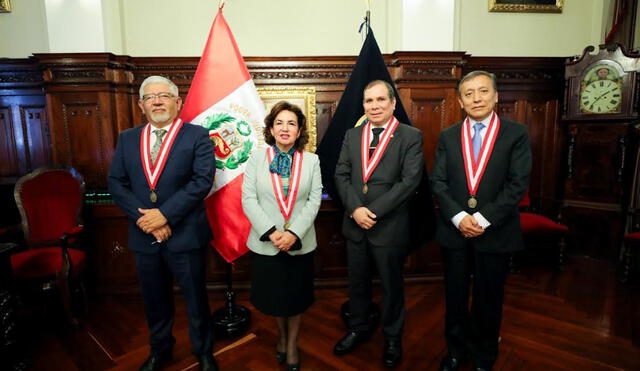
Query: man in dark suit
160, 174
379, 169
481, 172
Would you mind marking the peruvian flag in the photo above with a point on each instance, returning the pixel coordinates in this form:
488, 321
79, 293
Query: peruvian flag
223, 99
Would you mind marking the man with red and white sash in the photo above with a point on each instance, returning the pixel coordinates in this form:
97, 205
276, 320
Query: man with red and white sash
379, 168
480, 173
160, 174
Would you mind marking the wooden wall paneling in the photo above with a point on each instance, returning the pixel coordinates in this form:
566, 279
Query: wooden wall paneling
112, 262
24, 139
83, 91
431, 111
9, 143
36, 127
331, 257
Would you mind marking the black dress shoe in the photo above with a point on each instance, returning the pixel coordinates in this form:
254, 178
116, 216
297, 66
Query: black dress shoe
392, 354
207, 363
450, 363
155, 362
349, 342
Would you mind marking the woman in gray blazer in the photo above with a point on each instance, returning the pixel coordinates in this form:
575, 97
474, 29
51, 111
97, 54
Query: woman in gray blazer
281, 194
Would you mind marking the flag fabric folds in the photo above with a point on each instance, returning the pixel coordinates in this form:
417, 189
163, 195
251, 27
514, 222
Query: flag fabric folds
223, 99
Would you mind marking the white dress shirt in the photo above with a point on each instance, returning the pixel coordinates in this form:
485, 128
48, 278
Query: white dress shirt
152, 134
482, 221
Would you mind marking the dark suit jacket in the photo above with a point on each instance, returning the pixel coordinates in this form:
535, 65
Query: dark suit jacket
391, 186
182, 187
503, 185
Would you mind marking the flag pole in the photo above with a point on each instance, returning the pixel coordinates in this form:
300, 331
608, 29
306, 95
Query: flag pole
231, 320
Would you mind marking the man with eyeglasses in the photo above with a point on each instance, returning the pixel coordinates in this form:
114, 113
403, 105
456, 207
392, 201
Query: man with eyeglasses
160, 174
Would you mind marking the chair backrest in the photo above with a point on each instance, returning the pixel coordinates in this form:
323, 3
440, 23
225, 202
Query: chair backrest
526, 201
49, 200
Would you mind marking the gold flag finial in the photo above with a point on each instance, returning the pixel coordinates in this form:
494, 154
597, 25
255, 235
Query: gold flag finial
220, 4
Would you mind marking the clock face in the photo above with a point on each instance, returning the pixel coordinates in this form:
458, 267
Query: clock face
601, 90
601, 97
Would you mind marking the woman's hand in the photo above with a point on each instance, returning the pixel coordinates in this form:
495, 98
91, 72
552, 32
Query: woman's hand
287, 239
275, 237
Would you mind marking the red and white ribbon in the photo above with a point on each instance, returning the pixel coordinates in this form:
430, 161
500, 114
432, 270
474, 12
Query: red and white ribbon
151, 171
370, 164
286, 205
475, 169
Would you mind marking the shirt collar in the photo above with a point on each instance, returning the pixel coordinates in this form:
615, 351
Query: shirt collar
167, 128
383, 126
485, 122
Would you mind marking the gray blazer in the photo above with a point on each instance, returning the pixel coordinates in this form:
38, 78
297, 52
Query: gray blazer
262, 210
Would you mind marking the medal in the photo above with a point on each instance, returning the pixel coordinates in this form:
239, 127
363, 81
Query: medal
286, 205
474, 170
370, 162
153, 171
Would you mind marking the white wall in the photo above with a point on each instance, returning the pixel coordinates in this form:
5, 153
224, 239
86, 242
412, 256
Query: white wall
483, 33
261, 28
297, 27
24, 30
75, 26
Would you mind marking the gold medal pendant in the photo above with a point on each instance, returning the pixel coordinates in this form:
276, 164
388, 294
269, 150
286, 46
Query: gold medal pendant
472, 202
153, 196
365, 189
287, 225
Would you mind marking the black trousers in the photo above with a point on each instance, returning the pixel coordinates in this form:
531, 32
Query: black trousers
156, 273
390, 262
474, 332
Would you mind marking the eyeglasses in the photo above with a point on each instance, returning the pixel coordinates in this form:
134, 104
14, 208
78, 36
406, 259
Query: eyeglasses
162, 96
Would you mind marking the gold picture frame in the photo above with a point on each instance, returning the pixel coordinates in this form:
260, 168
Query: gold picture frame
303, 97
526, 6
5, 6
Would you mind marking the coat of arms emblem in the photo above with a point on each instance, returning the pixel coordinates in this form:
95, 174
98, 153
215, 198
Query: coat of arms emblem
231, 139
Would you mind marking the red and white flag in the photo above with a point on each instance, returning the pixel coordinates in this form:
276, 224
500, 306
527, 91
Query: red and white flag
223, 99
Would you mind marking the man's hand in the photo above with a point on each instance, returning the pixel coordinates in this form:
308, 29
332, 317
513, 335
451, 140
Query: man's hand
364, 217
163, 233
469, 227
287, 239
150, 220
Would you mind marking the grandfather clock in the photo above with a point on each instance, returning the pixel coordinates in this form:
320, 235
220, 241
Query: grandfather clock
600, 111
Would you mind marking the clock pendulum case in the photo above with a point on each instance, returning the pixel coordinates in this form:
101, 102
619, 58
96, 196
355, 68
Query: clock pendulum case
600, 115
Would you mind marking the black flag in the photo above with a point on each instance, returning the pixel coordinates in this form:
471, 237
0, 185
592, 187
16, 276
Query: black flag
371, 66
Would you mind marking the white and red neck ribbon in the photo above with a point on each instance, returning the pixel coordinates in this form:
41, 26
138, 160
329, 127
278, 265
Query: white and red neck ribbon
369, 164
286, 205
153, 171
475, 168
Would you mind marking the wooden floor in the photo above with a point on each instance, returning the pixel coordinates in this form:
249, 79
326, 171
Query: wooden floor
579, 319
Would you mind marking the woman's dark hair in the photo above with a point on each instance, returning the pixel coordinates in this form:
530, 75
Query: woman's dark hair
302, 140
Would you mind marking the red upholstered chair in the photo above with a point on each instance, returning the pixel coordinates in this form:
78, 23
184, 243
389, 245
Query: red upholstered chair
49, 200
540, 230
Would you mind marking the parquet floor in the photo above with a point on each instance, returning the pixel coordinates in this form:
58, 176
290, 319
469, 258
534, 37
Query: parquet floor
579, 319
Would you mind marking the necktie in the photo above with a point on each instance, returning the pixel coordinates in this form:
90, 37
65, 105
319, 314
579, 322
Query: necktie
376, 139
477, 140
156, 146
